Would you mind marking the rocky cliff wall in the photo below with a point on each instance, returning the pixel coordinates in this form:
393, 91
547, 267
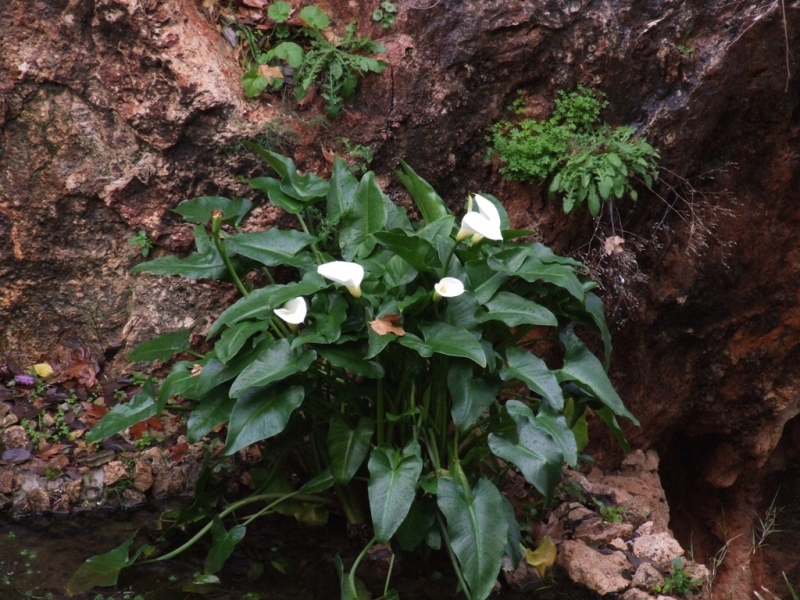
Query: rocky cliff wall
113, 111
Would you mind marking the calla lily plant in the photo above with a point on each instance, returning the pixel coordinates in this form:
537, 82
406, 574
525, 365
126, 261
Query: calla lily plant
408, 382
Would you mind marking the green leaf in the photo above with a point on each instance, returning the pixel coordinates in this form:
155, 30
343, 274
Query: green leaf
582, 366
141, 407
199, 210
420, 519
341, 192
594, 306
471, 397
328, 312
272, 188
290, 52
548, 422
534, 453
367, 215
478, 531
452, 341
533, 372
417, 252
392, 486
610, 420
162, 347
273, 247
279, 11
314, 17
206, 263
233, 338
347, 448
260, 416
319, 483
514, 310
179, 382
275, 363
513, 544
351, 358
398, 272
259, 303
534, 269
222, 545
430, 204
254, 84
214, 408
282, 165
102, 569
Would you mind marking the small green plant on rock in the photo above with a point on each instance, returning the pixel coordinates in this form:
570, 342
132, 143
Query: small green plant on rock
385, 15
311, 54
395, 368
610, 513
586, 161
142, 240
678, 581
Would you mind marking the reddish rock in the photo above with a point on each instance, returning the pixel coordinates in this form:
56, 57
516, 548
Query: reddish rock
601, 573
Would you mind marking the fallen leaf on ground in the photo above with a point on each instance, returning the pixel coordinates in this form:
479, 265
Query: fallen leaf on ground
543, 557
177, 451
271, 73
308, 98
43, 369
50, 451
387, 324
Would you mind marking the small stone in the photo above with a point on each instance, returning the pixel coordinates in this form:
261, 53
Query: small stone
142, 477
15, 437
6, 481
169, 482
4, 410
636, 594
645, 528
93, 483
662, 597
114, 471
599, 572
61, 504
524, 577
38, 501
694, 570
596, 532
48, 420
647, 577
9, 420
72, 489
132, 497
579, 514
618, 544
661, 548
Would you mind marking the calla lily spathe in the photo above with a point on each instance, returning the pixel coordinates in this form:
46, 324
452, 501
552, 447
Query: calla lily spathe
349, 274
482, 224
293, 311
448, 287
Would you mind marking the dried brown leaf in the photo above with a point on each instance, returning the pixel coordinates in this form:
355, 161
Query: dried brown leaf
613, 245
308, 98
387, 324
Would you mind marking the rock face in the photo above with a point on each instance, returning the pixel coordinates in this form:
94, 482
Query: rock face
112, 112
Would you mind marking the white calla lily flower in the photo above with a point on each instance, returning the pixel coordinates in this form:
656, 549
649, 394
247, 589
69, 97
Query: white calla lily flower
488, 210
479, 227
349, 274
293, 311
448, 287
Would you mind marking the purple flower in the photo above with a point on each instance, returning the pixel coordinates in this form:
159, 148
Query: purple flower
24, 380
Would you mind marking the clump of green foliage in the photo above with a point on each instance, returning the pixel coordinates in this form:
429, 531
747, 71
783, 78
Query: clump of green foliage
678, 581
142, 240
585, 159
314, 55
398, 369
385, 15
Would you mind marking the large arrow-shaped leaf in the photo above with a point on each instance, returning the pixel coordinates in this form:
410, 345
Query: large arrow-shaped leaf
514, 310
470, 396
478, 531
549, 423
582, 366
347, 447
206, 263
392, 486
533, 372
179, 382
451, 341
341, 192
141, 407
429, 202
222, 545
273, 364
256, 417
367, 215
273, 247
200, 209
161, 347
214, 409
418, 252
103, 569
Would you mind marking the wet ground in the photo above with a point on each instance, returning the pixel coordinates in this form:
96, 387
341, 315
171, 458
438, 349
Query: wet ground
278, 560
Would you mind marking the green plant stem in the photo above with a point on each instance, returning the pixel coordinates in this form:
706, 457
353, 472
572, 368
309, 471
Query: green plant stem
453, 559
223, 252
277, 497
268, 275
313, 244
352, 575
380, 409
